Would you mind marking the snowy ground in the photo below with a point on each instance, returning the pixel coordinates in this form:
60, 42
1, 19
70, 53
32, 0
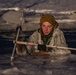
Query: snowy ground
63, 10
55, 5
38, 65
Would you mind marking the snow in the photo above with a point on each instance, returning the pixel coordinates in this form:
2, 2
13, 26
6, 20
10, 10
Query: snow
33, 65
58, 5
63, 10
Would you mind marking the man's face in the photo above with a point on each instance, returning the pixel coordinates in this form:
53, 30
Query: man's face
46, 27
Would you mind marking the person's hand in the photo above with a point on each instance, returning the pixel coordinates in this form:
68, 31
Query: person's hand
44, 48
41, 47
31, 46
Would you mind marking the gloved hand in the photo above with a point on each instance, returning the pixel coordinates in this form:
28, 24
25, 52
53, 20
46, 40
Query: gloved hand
41, 47
18, 28
44, 48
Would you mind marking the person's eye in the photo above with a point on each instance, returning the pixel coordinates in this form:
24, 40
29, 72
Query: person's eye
49, 26
43, 25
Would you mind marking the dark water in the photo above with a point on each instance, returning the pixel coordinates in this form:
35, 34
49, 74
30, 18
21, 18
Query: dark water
32, 65
70, 36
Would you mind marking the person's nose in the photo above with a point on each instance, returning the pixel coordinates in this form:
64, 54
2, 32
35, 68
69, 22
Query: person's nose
46, 28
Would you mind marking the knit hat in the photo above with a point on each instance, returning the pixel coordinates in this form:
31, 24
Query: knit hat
48, 18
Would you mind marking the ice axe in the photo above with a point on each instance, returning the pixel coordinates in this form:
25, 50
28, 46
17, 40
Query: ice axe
30, 43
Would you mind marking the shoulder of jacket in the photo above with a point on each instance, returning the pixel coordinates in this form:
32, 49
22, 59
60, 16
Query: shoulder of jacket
57, 31
35, 33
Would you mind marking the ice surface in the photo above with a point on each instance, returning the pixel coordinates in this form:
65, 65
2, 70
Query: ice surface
64, 12
37, 65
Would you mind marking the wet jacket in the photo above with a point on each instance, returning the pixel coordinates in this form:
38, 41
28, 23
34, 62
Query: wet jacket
57, 39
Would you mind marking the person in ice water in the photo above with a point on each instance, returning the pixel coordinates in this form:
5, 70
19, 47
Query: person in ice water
49, 34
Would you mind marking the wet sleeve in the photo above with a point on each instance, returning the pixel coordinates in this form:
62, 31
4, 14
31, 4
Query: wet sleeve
34, 38
61, 42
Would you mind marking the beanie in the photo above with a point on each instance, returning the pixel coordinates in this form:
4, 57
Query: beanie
48, 18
